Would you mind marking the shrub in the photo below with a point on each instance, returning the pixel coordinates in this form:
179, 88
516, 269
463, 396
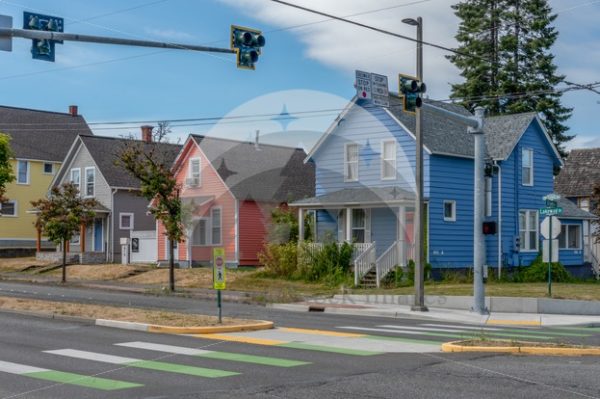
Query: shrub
538, 272
280, 260
410, 271
331, 264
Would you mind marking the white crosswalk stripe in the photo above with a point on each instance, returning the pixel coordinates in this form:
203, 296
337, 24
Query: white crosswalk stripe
99, 357
409, 328
462, 327
179, 350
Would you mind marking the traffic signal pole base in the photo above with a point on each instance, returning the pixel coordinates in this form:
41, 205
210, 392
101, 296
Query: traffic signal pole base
419, 308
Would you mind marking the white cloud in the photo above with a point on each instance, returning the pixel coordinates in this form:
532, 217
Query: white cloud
169, 34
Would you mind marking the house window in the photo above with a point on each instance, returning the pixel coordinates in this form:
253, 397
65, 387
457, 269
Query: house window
76, 178
528, 230
200, 234
358, 225
90, 179
8, 208
48, 168
216, 226
570, 236
527, 167
584, 203
125, 221
388, 160
135, 245
23, 172
488, 196
351, 162
194, 172
450, 211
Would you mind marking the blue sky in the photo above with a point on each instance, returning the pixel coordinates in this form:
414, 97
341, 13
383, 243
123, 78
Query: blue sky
304, 69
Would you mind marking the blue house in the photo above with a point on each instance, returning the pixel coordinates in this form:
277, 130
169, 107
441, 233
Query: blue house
365, 185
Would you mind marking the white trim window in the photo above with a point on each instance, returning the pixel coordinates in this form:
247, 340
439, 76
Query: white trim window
388, 159
126, 221
527, 167
9, 209
22, 172
449, 211
359, 225
48, 168
194, 175
570, 237
200, 233
528, 230
215, 230
90, 181
584, 203
76, 178
351, 162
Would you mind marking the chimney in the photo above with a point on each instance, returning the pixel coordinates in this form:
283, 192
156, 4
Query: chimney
73, 110
147, 133
256, 141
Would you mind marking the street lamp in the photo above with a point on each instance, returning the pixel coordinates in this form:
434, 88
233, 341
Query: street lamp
419, 304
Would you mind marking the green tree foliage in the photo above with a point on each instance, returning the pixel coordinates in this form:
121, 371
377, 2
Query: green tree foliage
510, 68
61, 215
6, 174
158, 184
595, 209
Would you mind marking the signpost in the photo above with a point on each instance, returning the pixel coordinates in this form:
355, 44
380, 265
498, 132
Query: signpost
373, 87
550, 233
219, 275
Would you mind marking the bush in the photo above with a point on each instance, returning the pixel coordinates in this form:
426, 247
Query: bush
538, 272
410, 271
280, 260
331, 264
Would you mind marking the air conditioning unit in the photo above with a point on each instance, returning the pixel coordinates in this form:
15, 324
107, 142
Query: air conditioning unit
192, 181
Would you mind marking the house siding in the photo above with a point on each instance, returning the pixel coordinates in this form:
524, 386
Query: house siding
129, 202
367, 128
383, 228
572, 257
255, 219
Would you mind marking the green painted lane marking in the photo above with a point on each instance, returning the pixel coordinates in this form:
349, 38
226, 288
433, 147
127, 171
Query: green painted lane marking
401, 339
264, 360
591, 330
320, 348
182, 369
103, 384
477, 335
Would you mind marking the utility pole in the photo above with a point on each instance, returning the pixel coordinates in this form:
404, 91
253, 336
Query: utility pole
419, 304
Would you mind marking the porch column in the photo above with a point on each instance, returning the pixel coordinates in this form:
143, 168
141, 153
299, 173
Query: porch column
82, 238
402, 235
38, 240
300, 225
68, 246
349, 225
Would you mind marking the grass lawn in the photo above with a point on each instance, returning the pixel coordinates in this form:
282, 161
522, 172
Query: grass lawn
18, 264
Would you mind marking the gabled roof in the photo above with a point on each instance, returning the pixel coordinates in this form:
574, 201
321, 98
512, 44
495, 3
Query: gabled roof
358, 196
41, 135
580, 173
269, 173
104, 151
571, 211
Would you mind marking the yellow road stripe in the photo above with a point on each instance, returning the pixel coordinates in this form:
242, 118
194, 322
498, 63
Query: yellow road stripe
322, 332
516, 322
245, 340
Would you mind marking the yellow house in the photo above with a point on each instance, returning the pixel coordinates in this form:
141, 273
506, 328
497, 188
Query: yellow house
40, 141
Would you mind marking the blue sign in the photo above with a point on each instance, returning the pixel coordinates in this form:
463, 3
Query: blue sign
43, 49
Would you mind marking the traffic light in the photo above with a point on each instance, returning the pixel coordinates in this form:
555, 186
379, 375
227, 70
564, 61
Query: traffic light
489, 228
411, 90
43, 49
247, 43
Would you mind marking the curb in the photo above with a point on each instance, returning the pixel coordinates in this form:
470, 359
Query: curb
153, 328
527, 350
500, 322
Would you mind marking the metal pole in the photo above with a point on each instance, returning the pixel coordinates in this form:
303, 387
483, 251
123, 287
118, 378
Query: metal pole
44, 35
219, 305
478, 214
419, 304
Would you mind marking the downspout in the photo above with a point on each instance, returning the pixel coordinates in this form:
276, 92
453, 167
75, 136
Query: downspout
499, 218
111, 231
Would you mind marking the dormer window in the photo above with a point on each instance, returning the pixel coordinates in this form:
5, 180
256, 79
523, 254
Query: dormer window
527, 167
351, 162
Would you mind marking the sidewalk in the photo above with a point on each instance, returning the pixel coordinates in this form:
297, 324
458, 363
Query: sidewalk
364, 306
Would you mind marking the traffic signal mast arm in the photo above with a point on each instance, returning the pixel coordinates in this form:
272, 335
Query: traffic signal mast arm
57, 36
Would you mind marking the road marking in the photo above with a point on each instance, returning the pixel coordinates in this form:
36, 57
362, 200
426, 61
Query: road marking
517, 330
103, 384
528, 334
321, 332
462, 327
235, 357
466, 334
146, 364
321, 348
515, 322
242, 339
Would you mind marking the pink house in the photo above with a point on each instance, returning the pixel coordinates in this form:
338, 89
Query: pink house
229, 189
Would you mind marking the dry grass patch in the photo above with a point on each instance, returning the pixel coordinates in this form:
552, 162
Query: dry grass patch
184, 278
18, 264
109, 271
116, 313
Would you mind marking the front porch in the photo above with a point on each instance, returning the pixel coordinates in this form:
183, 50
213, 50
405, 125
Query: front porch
378, 222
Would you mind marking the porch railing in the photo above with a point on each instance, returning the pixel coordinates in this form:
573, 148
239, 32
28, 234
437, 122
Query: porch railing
387, 261
364, 261
358, 247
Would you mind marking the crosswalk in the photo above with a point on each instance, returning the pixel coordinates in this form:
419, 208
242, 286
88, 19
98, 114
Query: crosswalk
193, 362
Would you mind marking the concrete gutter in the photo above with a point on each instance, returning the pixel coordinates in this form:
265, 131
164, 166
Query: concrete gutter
458, 346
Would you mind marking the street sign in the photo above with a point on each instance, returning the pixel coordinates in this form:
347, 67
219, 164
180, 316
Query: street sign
546, 251
379, 90
43, 49
5, 41
551, 211
219, 268
545, 228
363, 85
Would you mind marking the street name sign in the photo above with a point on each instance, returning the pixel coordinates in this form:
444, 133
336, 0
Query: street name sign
551, 211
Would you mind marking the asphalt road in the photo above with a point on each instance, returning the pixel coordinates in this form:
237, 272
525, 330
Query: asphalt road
36, 353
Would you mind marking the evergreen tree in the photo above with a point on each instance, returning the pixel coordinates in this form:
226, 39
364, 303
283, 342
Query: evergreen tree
511, 68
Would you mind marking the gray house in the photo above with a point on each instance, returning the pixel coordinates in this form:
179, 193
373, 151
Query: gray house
91, 165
